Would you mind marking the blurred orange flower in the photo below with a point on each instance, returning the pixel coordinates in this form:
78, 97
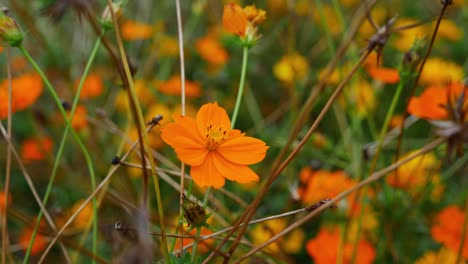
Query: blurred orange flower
202, 245
430, 104
39, 244
92, 86
212, 149
385, 75
132, 30
26, 89
324, 248
211, 50
321, 184
173, 87
448, 229
3, 201
80, 120
84, 217
34, 149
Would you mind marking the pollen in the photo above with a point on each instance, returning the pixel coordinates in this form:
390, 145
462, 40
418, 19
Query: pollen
215, 135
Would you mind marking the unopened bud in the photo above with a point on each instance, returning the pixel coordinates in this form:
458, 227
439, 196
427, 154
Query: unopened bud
9, 30
106, 18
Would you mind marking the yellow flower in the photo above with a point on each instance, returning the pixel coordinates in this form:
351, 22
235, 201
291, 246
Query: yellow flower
290, 68
361, 97
444, 255
143, 93
291, 243
416, 174
438, 71
449, 30
167, 45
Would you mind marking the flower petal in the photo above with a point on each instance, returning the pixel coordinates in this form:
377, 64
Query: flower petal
189, 151
182, 127
207, 175
211, 113
243, 150
234, 19
232, 171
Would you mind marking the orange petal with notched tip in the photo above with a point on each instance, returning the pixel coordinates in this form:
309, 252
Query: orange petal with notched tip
206, 175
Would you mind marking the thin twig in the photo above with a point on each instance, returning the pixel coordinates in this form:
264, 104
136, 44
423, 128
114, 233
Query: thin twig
6, 192
31, 187
374, 177
86, 201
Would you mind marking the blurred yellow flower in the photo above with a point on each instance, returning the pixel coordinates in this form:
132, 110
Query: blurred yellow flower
361, 97
167, 46
438, 71
331, 19
449, 30
291, 243
144, 94
290, 68
417, 173
444, 255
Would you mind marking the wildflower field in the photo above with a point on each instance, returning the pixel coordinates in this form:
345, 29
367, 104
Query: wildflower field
273, 131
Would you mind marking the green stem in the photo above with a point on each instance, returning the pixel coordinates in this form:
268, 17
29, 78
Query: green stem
245, 57
62, 143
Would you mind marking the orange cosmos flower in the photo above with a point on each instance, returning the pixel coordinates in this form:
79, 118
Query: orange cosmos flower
321, 184
448, 229
26, 89
243, 22
211, 50
212, 148
385, 75
324, 249
36, 148
92, 86
39, 244
431, 103
132, 30
173, 87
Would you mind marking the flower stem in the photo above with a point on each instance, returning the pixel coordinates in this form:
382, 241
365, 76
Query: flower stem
62, 144
245, 57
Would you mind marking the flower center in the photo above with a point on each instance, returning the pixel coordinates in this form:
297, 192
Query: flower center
215, 135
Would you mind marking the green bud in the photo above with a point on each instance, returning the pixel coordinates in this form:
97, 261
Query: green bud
9, 30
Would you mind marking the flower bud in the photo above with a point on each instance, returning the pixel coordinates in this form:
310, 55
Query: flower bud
194, 214
9, 30
106, 18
